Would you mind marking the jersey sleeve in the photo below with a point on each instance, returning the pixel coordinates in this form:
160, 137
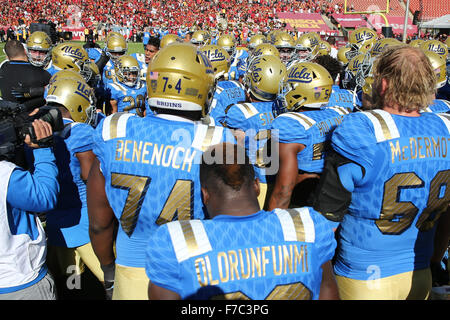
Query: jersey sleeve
355, 139
235, 118
288, 130
161, 265
325, 241
99, 143
81, 138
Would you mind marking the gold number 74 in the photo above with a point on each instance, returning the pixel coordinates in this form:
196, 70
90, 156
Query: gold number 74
178, 203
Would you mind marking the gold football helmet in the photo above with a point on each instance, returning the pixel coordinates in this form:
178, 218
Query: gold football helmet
39, 46
265, 76
219, 58
116, 46
180, 78
256, 40
358, 69
168, 39
66, 74
322, 49
308, 85
127, 70
285, 44
76, 96
447, 42
341, 55
265, 49
227, 42
305, 45
361, 40
73, 56
381, 44
200, 38
435, 46
439, 65
416, 43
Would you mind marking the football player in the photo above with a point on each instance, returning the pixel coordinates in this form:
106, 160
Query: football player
69, 248
285, 44
243, 252
147, 172
387, 183
254, 116
303, 133
39, 49
305, 45
128, 93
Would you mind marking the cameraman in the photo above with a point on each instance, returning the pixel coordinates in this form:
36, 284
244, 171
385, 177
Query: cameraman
23, 248
20, 81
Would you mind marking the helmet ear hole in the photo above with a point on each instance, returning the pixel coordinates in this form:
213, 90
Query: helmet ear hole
80, 108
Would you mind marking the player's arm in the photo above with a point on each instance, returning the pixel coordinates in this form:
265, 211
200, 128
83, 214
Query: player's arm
114, 107
158, 293
338, 180
287, 175
441, 238
86, 160
328, 286
101, 216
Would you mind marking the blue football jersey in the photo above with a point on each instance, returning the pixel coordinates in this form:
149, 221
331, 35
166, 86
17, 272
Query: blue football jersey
151, 170
342, 98
129, 99
391, 218
109, 73
51, 69
274, 255
238, 66
227, 92
68, 224
312, 129
438, 106
255, 120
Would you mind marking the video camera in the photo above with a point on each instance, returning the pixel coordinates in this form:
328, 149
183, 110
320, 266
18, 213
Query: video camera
16, 123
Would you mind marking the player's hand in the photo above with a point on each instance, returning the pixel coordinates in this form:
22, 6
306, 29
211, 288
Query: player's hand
109, 272
43, 131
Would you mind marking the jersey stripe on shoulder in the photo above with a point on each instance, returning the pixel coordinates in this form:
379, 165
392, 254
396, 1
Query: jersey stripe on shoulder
305, 121
340, 110
189, 238
247, 109
115, 126
297, 224
384, 125
446, 118
206, 136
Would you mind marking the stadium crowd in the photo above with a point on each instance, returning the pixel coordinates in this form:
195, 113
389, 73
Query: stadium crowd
139, 14
285, 169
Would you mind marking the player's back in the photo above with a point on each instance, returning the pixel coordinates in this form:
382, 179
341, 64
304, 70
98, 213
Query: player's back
342, 98
67, 223
227, 92
255, 120
151, 169
405, 187
312, 129
273, 255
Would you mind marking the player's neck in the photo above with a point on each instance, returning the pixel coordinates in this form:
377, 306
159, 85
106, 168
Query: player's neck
396, 110
235, 207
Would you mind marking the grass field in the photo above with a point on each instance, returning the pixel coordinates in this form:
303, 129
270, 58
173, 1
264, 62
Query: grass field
133, 47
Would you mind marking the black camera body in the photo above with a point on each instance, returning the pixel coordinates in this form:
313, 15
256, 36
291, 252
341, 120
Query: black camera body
15, 124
